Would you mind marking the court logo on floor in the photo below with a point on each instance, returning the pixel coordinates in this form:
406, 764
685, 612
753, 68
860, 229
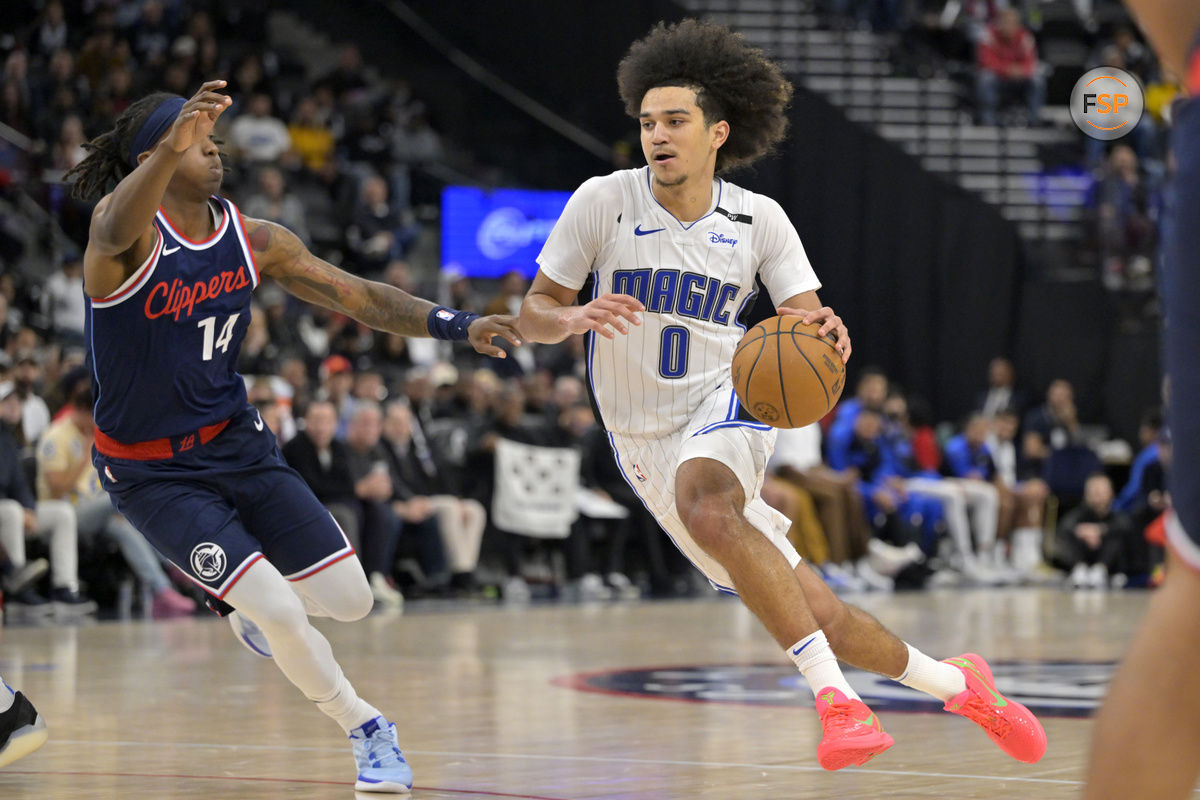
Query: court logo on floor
1051, 688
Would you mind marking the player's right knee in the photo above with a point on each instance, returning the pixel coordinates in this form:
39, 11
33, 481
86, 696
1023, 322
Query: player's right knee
341, 591
352, 604
712, 523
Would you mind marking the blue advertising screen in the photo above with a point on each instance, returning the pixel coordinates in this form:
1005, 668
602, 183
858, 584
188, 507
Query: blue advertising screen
486, 233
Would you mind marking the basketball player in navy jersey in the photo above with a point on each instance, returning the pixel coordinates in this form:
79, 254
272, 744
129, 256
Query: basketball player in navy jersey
674, 252
1148, 731
168, 271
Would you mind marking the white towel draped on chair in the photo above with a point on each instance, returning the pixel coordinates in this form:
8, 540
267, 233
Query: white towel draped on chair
535, 489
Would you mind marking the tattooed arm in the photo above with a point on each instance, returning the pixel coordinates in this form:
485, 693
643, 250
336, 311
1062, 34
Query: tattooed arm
280, 254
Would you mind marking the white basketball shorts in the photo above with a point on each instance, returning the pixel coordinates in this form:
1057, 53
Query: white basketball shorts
714, 431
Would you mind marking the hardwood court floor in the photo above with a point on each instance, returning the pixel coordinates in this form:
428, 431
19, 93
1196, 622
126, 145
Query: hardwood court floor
485, 701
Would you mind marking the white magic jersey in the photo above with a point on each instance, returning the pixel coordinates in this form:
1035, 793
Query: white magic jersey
695, 281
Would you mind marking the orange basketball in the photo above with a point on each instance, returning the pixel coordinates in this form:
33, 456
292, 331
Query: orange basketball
785, 375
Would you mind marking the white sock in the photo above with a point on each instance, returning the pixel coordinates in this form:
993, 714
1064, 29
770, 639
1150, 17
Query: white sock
816, 661
345, 707
932, 677
7, 695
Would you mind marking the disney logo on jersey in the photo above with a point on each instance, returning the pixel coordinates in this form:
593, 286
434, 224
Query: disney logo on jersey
720, 238
507, 230
180, 300
687, 294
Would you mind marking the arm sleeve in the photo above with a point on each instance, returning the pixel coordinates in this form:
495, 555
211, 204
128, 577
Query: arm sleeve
24, 495
581, 232
1128, 497
837, 450
782, 263
987, 55
926, 451
1120, 525
956, 458
1066, 526
400, 489
1028, 53
15, 487
303, 458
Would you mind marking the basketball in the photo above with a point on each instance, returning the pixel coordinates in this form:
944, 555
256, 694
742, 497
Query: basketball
785, 374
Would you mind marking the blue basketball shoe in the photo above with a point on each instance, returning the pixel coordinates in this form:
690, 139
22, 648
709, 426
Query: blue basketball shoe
249, 634
381, 765
22, 729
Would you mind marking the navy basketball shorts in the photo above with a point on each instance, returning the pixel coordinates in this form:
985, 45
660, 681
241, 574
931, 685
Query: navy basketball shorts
1181, 334
220, 506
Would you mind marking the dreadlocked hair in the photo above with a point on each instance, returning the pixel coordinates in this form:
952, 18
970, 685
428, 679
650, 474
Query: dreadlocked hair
734, 82
107, 160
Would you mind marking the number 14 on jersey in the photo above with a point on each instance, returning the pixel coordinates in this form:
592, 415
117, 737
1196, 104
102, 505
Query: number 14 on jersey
209, 326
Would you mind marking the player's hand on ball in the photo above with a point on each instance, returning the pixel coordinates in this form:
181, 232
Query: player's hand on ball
481, 332
830, 323
197, 116
606, 313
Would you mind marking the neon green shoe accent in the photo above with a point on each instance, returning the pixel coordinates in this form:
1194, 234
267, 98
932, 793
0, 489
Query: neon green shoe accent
1000, 701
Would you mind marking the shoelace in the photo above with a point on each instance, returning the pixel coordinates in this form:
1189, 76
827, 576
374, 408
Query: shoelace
842, 717
984, 713
381, 751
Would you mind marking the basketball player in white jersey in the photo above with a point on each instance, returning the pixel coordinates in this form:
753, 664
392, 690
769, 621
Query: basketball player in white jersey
673, 252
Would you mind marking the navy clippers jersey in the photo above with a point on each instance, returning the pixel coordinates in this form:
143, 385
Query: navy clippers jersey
163, 348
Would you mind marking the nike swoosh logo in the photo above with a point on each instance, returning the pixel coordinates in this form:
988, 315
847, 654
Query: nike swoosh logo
637, 231
1000, 701
869, 721
168, 250
800, 649
258, 423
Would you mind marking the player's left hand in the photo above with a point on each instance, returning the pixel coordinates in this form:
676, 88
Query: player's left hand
481, 332
830, 323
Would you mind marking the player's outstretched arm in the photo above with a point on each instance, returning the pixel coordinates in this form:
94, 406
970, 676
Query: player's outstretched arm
549, 313
280, 254
122, 221
808, 306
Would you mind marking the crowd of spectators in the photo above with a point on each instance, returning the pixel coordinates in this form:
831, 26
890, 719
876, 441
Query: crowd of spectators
399, 437
1010, 60
1015, 490
337, 156
880, 496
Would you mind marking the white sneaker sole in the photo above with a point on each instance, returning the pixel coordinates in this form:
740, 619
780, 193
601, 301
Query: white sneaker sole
24, 741
382, 787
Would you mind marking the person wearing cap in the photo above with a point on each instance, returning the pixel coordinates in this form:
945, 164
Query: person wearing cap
21, 515
337, 383
169, 270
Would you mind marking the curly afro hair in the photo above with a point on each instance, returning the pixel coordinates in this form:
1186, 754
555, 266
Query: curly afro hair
735, 82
